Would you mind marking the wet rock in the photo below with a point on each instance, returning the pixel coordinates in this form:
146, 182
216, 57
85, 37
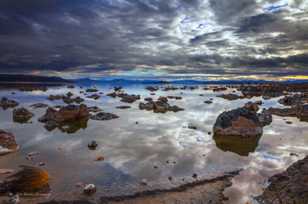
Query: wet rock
92, 145
94, 96
170, 88
148, 99
6, 103
242, 122
294, 100
104, 116
29, 180
126, 98
152, 88
174, 97
230, 97
117, 88
299, 111
21, 115
218, 89
68, 119
192, 127
7, 143
91, 90
55, 97
159, 106
290, 186
94, 109
265, 117
208, 102
39, 105
89, 189
100, 158
123, 107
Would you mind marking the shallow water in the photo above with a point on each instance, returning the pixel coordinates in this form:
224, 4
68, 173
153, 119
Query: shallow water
132, 150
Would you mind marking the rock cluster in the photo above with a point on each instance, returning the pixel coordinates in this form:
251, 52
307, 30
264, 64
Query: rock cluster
6, 103
68, 99
74, 115
126, 98
159, 106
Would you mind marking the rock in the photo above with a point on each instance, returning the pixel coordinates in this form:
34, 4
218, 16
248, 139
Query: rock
68, 119
192, 127
94, 109
117, 88
29, 180
242, 122
208, 101
91, 90
89, 189
218, 89
265, 117
159, 106
39, 105
92, 145
170, 88
290, 186
7, 143
148, 99
6, 103
300, 111
230, 97
294, 100
126, 98
123, 107
104, 116
144, 182
152, 88
100, 158
94, 96
174, 97
70, 86
21, 115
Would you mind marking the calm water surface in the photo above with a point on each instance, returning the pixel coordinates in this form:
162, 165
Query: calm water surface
132, 150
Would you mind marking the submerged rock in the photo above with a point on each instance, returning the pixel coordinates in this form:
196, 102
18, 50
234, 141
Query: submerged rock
7, 143
104, 116
29, 180
290, 186
6, 103
21, 115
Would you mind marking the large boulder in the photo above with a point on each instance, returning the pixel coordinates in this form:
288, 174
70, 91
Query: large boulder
239, 130
22, 115
7, 143
6, 103
290, 186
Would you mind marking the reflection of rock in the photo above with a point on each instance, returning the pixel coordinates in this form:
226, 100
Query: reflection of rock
239, 130
21, 115
290, 186
159, 106
7, 103
69, 119
241, 146
29, 180
7, 143
104, 116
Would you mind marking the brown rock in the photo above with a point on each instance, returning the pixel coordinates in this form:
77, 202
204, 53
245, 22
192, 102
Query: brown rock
6, 103
7, 143
21, 115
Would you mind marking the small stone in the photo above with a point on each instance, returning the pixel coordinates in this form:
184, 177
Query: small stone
89, 189
92, 145
100, 158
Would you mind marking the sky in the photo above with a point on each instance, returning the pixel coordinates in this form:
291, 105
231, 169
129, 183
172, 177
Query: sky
154, 37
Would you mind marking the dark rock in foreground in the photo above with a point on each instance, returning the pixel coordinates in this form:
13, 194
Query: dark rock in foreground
104, 116
22, 115
288, 187
7, 103
29, 180
7, 143
239, 130
68, 119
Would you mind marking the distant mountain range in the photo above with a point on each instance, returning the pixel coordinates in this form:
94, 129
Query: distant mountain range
16, 78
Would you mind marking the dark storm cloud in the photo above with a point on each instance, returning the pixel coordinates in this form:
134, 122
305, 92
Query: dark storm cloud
177, 36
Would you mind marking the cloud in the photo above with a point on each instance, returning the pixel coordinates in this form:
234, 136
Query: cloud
177, 36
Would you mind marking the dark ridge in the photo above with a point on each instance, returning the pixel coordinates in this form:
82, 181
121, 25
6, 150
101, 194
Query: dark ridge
20, 79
